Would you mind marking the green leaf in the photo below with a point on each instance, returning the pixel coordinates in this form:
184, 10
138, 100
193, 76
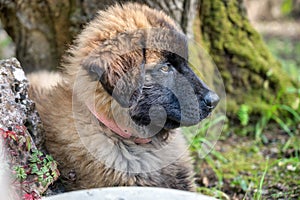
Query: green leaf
290, 110
20, 172
49, 158
283, 125
34, 168
243, 114
28, 143
239, 181
45, 169
286, 7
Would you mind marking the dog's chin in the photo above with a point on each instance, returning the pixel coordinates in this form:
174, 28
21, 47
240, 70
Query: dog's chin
171, 124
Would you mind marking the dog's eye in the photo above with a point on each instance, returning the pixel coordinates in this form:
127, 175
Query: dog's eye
166, 67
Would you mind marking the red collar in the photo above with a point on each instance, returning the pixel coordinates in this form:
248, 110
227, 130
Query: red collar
111, 124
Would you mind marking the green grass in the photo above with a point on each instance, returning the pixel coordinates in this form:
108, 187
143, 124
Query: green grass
246, 171
258, 192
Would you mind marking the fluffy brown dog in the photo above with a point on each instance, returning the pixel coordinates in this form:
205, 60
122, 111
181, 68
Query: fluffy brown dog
111, 120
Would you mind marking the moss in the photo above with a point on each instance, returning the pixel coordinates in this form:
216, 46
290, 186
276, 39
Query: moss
249, 160
246, 65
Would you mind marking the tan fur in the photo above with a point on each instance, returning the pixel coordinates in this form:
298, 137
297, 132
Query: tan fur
70, 127
45, 79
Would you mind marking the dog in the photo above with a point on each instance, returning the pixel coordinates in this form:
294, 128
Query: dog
112, 117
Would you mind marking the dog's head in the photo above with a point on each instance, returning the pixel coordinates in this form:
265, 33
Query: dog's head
146, 70
150, 76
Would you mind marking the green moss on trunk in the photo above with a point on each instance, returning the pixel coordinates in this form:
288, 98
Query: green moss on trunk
251, 74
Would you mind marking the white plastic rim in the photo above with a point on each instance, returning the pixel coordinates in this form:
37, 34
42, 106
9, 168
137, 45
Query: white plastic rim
130, 193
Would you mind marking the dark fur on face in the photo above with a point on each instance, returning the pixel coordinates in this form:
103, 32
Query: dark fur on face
174, 87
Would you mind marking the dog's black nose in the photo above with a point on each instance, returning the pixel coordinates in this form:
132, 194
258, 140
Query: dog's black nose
211, 100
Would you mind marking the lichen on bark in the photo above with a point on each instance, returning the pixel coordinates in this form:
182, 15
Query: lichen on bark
251, 74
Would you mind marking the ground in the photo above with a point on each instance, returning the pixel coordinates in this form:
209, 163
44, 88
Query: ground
244, 168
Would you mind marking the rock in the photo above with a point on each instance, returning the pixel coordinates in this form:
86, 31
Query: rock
16, 108
22, 134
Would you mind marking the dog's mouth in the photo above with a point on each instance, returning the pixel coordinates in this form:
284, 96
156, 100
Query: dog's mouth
191, 117
176, 118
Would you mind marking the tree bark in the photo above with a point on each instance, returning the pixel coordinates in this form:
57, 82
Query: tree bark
250, 73
296, 9
43, 29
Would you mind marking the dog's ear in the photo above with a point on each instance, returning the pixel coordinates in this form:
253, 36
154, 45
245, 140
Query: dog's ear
119, 65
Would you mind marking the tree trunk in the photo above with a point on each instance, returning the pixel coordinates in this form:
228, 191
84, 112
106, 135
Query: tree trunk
250, 73
43, 29
296, 9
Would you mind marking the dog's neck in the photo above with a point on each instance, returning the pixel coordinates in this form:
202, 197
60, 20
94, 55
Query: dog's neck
112, 125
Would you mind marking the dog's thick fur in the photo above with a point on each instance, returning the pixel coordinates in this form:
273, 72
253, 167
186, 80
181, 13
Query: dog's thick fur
88, 153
